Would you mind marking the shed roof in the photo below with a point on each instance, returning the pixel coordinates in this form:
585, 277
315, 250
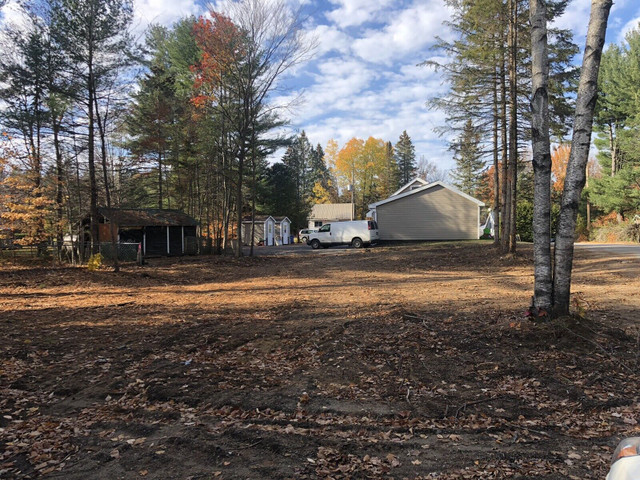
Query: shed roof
422, 189
146, 217
258, 219
331, 211
281, 219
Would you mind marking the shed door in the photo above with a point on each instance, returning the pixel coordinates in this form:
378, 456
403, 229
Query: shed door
156, 240
270, 233
175, 240
285, 233
190, 241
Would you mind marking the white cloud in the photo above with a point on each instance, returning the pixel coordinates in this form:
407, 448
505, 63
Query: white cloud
12, 14
409, 31
164, 12
330, 39
630, 25
575, 18
356, 12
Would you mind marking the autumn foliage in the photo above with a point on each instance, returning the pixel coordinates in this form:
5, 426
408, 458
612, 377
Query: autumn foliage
25, 206
221, 43
559, 162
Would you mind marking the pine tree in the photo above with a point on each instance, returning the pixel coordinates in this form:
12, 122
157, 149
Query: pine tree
94, 35
467, 175
390, 174
406, 158
617, 111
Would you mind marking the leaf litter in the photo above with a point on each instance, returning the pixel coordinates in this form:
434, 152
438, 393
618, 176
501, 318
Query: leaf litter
394, 362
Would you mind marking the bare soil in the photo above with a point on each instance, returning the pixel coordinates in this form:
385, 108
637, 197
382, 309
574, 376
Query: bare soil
411, 361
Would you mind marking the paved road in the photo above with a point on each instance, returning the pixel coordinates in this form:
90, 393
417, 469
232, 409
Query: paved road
611, 249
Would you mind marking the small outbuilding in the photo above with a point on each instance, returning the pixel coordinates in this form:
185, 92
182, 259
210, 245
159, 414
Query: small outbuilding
264, 228
161, 232
283, 230
322, 213
436, 211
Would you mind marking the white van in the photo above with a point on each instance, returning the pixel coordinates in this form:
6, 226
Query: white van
357, 233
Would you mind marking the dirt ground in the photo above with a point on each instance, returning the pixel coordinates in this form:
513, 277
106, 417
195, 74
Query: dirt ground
392, 362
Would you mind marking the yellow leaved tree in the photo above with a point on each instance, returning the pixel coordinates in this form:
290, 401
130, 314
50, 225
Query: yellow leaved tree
360, 164
25, 209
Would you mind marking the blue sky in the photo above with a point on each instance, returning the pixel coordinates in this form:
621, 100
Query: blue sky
364, 79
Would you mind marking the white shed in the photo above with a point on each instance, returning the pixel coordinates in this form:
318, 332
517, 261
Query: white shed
264, 230
283, 230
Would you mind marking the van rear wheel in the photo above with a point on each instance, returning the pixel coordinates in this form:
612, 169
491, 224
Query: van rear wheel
315, 244
357, 243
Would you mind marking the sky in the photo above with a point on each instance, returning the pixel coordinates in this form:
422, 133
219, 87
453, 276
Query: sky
364, 79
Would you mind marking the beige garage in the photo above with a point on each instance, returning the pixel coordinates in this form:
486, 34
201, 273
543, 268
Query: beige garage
432, 212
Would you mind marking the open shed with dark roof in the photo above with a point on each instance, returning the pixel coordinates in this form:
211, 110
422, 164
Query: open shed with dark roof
161, 232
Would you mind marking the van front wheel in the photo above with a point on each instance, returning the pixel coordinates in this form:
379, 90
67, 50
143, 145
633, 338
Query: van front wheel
357, 243
315, 244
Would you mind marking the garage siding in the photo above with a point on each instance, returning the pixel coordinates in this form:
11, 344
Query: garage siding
435, 214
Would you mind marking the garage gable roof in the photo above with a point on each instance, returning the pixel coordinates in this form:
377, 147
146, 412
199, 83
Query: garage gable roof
410, 186
427, 187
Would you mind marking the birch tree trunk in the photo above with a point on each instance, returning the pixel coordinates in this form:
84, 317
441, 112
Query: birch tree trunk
580, 144
543, 280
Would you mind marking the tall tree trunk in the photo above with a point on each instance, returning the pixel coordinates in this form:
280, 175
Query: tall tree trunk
512, 170
496, 164
580, 144
613, 150
159, 179
102, 128
241, 155
543, 281
253, 198
59, 187
93, 187
504, 209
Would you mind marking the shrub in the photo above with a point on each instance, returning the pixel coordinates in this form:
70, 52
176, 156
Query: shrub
611, 232
95, 262
524, 220
633, 232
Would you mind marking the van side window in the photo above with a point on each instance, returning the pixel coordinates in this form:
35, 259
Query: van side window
325, 228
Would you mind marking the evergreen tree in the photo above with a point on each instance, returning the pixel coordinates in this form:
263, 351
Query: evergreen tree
318, 171
390, 175
299, 157
94, 35
618, 108
620, 193
281, 198
467, 175
405, 155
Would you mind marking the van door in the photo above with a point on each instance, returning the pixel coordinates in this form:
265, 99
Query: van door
324, 234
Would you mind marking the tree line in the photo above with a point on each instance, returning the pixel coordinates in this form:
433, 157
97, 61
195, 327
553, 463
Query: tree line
369, 170
183, 121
